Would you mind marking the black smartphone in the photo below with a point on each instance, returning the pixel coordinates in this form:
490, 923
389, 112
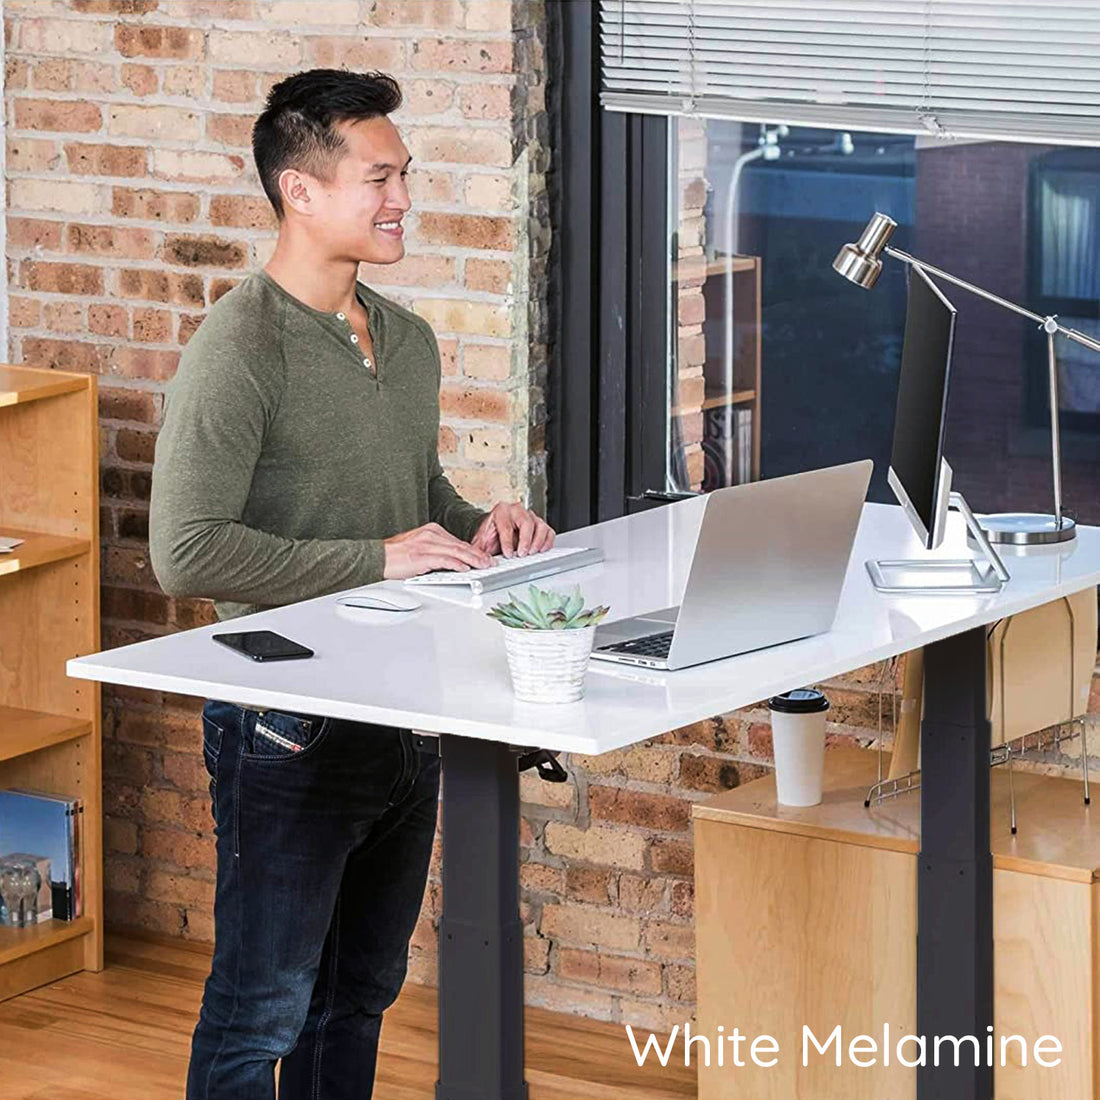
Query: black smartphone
264, 645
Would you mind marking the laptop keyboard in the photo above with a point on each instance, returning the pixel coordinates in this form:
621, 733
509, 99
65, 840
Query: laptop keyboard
652, 645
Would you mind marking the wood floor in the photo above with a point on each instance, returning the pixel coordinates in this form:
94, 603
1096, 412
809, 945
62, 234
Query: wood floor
123, 1034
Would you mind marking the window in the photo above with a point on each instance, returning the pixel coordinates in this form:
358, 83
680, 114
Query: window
779, 365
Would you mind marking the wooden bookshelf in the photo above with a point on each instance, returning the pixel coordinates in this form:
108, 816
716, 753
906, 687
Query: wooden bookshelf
50, 735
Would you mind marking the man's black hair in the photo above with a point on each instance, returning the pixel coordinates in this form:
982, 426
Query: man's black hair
297, 128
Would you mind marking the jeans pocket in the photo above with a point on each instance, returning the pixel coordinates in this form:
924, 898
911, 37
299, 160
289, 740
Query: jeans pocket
281, 735
212, 735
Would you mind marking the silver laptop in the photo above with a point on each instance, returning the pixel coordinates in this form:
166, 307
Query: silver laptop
768, 567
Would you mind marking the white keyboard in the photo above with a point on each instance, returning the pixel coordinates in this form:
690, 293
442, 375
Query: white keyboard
509, 571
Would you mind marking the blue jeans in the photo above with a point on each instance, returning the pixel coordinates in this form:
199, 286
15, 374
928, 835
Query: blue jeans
324, 833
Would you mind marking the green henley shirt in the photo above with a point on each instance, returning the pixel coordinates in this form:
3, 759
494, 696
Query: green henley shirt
283, 461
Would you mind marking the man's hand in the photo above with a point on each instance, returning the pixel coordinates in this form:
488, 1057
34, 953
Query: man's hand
430, 547
514, 531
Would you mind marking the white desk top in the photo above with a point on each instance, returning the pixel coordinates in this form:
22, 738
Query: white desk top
442, 668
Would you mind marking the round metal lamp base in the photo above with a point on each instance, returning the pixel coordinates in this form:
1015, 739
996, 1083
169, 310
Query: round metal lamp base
1026, 529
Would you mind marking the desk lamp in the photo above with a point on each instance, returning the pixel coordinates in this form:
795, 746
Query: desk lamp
861, 263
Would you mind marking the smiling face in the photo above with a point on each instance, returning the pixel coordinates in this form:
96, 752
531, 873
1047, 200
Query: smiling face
357, 213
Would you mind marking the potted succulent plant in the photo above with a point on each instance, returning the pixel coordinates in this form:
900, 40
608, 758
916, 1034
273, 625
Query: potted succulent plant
548, 639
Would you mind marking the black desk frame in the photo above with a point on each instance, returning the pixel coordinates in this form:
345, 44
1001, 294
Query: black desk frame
481, 935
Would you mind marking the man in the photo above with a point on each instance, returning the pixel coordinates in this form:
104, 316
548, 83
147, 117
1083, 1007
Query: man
298, 456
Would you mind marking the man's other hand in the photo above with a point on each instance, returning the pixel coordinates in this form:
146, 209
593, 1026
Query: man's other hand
514, 531
430, 547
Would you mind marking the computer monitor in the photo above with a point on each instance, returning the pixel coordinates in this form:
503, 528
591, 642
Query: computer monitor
918, 474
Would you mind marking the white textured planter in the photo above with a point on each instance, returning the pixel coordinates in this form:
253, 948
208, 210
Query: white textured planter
548, 666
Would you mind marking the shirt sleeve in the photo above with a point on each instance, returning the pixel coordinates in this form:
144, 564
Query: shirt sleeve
217, 410
445, 506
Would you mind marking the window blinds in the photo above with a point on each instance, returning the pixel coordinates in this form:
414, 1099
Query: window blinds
1017, 69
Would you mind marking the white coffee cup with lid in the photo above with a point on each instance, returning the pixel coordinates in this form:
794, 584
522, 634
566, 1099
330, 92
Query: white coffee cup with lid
798, 740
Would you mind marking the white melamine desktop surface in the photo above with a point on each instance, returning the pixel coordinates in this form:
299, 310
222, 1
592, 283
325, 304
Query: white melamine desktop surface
442, 668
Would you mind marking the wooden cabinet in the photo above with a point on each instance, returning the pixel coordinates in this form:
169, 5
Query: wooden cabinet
49, 612
808, 917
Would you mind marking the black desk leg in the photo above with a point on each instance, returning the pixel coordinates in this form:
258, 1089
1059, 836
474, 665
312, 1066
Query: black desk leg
480, 933
955, 873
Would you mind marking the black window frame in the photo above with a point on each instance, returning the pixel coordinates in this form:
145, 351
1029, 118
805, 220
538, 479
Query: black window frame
609, 289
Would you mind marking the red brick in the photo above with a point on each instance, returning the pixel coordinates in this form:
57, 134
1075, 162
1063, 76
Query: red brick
713, 774
109, 320
63, 316
111, 240
343, 52
146, 40
673, 857
444, 14
34, 233
233, 130
140, 79
28, 155
124, 484
178, 889
242, 212
62, 278
426, 97
131, 362
610, 971
152, 326
669, 941
139, 605
168, 206
683, 899
649, 811
491, 276
218, 287
486, 101
760, 739
54, 74
466, 230
234, 86
23, 312
133, 525
16, 74
202, 251
462, 55
115, 7
106, 160
188, 324
161, 286
53, 114
460, 145
188, 851
589, 884
474, 404
186, 772
116, 403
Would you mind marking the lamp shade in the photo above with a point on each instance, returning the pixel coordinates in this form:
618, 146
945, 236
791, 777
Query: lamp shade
861, 262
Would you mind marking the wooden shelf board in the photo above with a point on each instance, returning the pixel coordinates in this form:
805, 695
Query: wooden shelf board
23, 731
1057, 838
18, 386
39, 549
738, 397
15, 943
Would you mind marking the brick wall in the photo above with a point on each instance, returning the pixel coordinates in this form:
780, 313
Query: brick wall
132, 206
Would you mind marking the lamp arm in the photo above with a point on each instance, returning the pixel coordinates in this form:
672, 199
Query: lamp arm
1050, 325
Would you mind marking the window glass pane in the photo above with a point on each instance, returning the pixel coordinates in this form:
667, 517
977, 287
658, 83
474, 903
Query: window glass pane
780, 365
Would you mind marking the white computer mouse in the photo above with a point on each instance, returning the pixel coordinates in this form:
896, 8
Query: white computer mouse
383, 600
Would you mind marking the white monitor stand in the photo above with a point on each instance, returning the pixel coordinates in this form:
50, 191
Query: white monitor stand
940, 576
